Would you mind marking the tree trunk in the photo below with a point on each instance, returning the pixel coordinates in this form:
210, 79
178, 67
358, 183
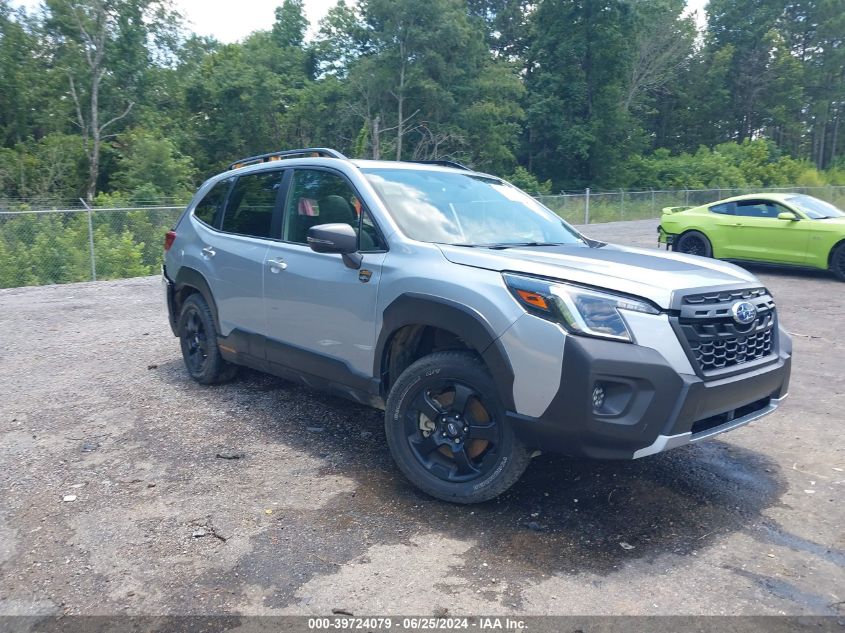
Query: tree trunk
376, 138
400, 101
94, 157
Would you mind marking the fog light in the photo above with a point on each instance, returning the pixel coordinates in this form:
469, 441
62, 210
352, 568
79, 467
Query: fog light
598, 397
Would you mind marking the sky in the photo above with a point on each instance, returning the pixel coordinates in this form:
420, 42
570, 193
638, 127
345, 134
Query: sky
230, 22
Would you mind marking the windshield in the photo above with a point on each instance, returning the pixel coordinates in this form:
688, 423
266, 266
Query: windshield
466, 209
814, 208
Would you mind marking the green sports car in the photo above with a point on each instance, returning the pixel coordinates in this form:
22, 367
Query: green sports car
780, 228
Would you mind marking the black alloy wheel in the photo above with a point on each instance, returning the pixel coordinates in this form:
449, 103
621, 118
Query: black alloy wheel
194, 341
451, 432
198, 340
837, 262
694, 243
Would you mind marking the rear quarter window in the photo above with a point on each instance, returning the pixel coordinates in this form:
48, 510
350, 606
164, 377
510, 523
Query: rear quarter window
208, 209
726, 208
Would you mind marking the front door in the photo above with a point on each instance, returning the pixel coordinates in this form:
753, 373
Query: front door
320, 314
758, 234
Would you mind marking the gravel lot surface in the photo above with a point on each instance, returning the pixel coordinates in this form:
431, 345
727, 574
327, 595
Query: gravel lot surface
113, 498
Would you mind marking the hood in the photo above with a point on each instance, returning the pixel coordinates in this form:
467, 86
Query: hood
651, 274
837, 222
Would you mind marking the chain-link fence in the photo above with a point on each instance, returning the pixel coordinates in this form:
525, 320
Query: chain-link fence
591, 207
66, 244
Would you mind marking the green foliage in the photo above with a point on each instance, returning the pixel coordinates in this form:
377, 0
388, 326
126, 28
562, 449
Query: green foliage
526, 181
51, 168
728, 165
151, 165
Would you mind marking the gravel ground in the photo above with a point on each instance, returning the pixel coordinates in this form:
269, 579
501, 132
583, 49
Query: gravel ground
97, 408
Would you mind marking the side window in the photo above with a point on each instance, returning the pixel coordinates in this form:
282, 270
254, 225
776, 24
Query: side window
756, 209
251, 203
726, 208
322, 197
369, 239
207, 208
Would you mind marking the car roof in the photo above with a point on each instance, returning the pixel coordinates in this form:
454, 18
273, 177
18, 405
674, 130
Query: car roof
773, 196
337, 162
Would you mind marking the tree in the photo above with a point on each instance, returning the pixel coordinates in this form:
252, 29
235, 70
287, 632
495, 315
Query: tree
291, 24
93, 38
148, 160
581, 59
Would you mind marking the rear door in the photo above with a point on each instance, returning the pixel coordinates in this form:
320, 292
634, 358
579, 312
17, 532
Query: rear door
758, 234
233, 255
319, 312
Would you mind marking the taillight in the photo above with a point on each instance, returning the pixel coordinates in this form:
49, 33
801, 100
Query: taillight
169, 238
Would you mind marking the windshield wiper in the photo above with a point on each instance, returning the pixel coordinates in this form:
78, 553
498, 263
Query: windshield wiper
523, 245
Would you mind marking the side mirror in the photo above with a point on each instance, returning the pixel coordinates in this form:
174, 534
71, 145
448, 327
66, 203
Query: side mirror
787, 215
336, 238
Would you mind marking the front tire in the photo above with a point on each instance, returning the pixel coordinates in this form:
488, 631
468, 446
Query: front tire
447, 431
694, 243
198, 339
837, 262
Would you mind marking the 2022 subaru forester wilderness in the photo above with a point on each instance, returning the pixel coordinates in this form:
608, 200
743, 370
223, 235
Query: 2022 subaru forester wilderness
484, 325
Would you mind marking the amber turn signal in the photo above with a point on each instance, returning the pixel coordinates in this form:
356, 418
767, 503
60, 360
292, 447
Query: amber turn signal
533, 299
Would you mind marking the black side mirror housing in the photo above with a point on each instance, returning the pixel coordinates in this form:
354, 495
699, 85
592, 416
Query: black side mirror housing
336, 238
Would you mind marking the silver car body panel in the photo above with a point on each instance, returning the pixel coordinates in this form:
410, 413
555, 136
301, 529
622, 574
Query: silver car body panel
536, 366
653, 275
654, 331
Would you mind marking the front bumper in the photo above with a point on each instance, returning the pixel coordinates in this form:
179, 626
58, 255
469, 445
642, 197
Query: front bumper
649, 407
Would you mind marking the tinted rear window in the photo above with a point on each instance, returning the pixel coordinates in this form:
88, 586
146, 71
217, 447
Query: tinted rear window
251, 203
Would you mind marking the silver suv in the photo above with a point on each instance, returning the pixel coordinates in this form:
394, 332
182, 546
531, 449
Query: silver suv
485, 326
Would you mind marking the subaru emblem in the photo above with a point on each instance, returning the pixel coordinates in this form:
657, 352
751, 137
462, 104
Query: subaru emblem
744, 312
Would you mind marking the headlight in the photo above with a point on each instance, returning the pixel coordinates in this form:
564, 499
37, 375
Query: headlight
580, 310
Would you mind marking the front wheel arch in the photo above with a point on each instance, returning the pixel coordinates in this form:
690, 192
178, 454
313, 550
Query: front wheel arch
835, 251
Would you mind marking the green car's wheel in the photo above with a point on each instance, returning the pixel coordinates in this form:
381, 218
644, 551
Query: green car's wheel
694, 243
837, 261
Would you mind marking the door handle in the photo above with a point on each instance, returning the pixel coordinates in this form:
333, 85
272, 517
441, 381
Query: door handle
277, 265
208, 251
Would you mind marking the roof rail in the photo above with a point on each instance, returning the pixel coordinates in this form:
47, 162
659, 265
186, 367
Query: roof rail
442, 163
288, 153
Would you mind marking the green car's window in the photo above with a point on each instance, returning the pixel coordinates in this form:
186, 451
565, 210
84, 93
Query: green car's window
726, 208
814, 208
757, 209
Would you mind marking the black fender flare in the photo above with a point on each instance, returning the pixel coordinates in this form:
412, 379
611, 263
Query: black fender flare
193, 278
461, 320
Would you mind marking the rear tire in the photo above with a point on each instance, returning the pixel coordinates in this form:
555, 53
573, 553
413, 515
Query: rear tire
198, 339
837, 262
447, 431
694, 243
